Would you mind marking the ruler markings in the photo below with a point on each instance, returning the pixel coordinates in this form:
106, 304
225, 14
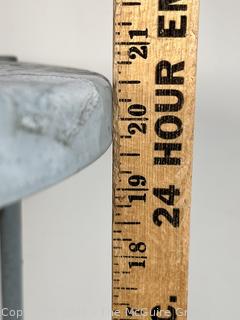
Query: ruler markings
131, 3
130, 257
134, 119
124, 62
124, 23
132, 189
132, 43
125, 288
125, 318
123, 206
125, 100
130, 317
129, 81
129, 154
157, 46
125, 172
127, 222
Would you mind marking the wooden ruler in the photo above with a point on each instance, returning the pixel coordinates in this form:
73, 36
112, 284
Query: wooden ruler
155, 44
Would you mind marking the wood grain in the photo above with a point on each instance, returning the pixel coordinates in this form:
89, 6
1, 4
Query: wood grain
150, 234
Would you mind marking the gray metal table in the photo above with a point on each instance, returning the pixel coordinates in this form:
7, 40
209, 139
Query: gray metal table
54, 122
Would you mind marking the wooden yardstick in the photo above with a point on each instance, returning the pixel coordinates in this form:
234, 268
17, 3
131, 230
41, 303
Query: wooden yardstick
154, 72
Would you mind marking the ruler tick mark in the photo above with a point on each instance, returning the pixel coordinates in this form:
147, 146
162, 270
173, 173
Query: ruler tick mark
134, 119
129, 154
131, 3
127, 222
124, 62
125, 172
129, 81
125, 100
125, 288
131, 257
125, 23
132, 43
132, 189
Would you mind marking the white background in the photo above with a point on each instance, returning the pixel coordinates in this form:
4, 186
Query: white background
67, 229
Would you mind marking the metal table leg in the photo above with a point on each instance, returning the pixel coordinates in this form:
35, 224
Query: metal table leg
11, 261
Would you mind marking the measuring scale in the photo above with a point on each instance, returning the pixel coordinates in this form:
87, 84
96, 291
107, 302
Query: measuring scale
155, 45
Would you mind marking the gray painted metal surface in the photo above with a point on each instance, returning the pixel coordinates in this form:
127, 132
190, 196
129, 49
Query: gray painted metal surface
53, 122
